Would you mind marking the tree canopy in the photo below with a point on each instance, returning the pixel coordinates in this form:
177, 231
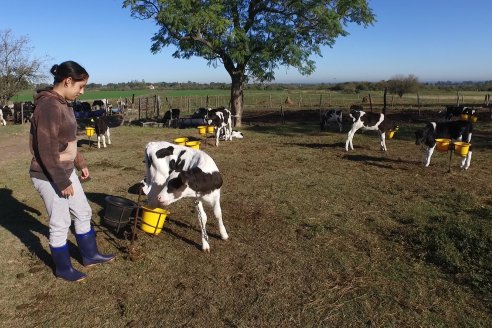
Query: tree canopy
17, 68
400, 84
251, 38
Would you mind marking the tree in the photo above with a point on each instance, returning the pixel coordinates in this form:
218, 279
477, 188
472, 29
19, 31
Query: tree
250, 38
17, 69
400, 84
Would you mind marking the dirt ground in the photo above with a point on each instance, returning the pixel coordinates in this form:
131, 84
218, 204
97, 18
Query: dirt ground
319, 236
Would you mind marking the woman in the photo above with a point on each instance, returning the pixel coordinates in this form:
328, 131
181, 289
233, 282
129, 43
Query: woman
54, 148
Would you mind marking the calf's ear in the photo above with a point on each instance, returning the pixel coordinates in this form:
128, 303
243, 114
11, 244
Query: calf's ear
177, 183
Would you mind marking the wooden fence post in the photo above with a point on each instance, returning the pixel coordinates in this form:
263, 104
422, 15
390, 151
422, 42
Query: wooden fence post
370, 102
139, 108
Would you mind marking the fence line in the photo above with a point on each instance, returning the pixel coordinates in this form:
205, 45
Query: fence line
152, 106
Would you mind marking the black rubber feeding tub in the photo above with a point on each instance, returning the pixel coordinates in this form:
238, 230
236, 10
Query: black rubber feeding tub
118, 211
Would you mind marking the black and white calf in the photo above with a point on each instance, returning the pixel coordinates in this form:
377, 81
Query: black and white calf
174, 172
455, 130
368, 122
457, 111
332, 115
102, 131
221, 118
235, 134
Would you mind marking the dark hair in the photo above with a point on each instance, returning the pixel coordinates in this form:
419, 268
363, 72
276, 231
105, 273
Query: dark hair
68, 69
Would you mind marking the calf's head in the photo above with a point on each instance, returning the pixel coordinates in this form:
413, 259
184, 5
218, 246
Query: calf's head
190, 183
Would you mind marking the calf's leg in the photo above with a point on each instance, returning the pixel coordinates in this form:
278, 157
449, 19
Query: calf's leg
427, 155
108, 135
465, 162
382, 138
202, 220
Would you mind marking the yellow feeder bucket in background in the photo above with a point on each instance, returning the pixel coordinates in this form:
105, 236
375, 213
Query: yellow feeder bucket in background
473, 119
202, 129
391, 133
461, 148
153, 219
193, 144
442, 145
180, 141
464, 117
89, 131
210, 129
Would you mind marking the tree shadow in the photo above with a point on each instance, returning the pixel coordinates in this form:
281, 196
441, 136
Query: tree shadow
320, 145
18, 218
380, 161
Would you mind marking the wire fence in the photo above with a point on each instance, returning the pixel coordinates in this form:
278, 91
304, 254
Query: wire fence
156, 106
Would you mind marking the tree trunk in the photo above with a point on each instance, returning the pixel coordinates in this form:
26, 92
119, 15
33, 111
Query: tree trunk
237, 99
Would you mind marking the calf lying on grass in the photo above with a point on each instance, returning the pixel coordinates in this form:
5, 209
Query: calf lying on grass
235, 134
174, 172
455, 130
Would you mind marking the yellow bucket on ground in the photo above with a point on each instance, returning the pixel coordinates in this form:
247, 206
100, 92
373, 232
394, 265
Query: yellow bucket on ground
180, 141
461, 148
89, 131
391, 133
442, 144
464, 117
153, 219
211, 129
193, 144
473, 119
202, 129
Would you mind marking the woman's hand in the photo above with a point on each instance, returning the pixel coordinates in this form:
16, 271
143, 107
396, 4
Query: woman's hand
67, 191
84, 173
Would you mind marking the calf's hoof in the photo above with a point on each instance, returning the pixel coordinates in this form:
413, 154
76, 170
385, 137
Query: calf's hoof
206, 247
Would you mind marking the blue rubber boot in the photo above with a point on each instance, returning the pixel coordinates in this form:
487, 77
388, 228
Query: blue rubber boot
63, 265
88, 249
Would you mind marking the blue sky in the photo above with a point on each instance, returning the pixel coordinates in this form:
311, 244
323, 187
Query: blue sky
435, 40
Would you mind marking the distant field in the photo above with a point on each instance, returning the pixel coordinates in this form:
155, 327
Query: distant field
274, 99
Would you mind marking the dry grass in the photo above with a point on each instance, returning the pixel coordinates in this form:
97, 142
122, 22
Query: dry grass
319, 237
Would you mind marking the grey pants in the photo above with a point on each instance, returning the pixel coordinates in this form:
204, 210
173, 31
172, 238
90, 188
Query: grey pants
60, 209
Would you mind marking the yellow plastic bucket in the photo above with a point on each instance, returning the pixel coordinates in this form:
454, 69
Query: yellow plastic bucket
89, 131
461, 148
180, 141
473, 119
464, 117
442, 144
153, 219
202, 129
211, 129
391, 133
193, 144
